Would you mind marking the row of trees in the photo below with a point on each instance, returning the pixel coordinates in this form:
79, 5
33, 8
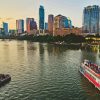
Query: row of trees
71, 38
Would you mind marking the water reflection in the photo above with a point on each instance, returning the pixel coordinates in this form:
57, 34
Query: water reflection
94, 48
89, 89
92, 53
89, 55
55, 50
42, 71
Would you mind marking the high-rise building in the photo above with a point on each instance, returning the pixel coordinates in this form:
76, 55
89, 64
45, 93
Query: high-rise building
46, 26
91, 19
5, 27
61, 22
30, 25
50, 23
2, 31
12, 32
41, 18
20, 26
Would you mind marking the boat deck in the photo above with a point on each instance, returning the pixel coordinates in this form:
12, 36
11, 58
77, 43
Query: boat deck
94, 68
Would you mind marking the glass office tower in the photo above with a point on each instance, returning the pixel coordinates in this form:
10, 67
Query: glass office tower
5, 27
20, 26
91, 19
41, 18
50, 23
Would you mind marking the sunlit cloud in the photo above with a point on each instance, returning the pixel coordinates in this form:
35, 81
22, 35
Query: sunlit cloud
9, 18
6, 19
10, 21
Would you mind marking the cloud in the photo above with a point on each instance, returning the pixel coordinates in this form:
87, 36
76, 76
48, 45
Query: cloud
9, 18
6, 19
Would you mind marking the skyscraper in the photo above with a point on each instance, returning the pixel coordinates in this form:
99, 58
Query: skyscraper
60, 23
5, 27
20, 26
30, 25
50, 23
91, 19
41, 18
2, 31
46, 26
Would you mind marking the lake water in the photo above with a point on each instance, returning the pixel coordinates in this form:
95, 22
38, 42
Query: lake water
42, 71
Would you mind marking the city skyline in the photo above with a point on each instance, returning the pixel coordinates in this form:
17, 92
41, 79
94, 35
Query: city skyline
28, 8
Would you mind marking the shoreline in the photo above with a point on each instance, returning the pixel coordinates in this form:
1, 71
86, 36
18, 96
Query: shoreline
73, 46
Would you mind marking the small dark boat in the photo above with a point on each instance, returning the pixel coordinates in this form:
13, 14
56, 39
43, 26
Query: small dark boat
4, 79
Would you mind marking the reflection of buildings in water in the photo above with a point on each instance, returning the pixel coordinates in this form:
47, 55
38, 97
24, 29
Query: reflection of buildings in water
99, 55
93, 55
11, 52
89, 55
55, 49
31, 50
20, 49
91, 52
95, 48
8, 53
31, 45
43, 52
41, 48
43, 60
5, 51
88, 87
31, 56
25, 50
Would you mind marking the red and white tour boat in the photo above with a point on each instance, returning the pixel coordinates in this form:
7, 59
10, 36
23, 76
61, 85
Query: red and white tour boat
91, 71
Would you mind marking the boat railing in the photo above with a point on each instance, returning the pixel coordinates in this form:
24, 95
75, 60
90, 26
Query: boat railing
94, 67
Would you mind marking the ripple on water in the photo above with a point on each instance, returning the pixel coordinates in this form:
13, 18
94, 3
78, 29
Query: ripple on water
44, 72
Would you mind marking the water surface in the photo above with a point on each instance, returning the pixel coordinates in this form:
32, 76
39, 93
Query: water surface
42, 71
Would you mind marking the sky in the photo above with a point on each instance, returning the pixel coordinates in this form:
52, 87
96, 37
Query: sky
10, 10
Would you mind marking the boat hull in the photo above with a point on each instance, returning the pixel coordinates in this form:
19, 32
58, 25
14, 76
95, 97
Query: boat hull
90, 79
6, 80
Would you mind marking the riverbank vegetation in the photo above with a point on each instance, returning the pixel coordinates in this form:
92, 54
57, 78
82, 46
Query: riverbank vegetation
71, 38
